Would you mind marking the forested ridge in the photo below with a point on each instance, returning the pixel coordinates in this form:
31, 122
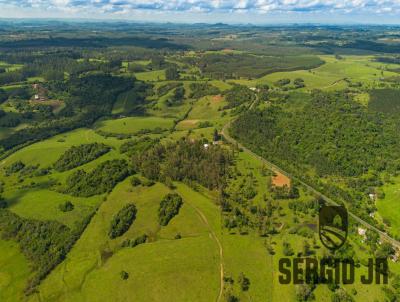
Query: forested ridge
332, 133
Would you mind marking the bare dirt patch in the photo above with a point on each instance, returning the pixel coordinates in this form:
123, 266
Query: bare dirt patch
217, 98
280, 180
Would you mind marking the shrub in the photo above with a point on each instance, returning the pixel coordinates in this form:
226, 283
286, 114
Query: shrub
135, 181
15, 167
124, 275
66, 206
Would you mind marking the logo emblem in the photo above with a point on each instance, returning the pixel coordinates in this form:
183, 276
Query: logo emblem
333, 225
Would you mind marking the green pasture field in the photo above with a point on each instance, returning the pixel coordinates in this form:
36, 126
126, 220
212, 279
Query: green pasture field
332, 75
174, 264
14, 272
46, 152
209, 109
389, 207
10, 67
139, 62
131, 125
151, 76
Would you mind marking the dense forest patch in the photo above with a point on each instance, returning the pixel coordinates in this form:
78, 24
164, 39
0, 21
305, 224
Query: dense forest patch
198, 90
331, 133
246, 65
185, 160
79, 155
239, 95
385, 100
100, 180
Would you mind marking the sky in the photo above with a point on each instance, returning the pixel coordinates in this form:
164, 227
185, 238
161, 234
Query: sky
211, 11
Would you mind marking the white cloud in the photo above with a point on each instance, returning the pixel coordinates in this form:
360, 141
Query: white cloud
200, 6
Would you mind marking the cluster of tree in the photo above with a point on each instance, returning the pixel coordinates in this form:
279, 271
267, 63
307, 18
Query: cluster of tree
169, 208
200, 89
66, 206
137, 145
79, 155
185, 160
306, 207
387, 59
134, 242
122, 221
282, 82
44, 243
177, 97
299, 83
237, 218
385, 101
164, 89
100, 180
3, 96
134, 99
172, 73
14, 167
239, 95
285, 192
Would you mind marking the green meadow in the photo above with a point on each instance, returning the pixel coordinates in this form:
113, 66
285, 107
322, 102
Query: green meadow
389, 207
151, 76
131, 125
333, 75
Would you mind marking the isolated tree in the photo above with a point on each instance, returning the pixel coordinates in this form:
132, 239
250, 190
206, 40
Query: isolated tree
244, 282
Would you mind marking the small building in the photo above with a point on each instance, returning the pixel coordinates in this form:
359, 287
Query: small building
361, 232
372, 196
206, 146
36, 97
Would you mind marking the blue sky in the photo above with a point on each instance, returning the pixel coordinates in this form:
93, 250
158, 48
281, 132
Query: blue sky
229, 11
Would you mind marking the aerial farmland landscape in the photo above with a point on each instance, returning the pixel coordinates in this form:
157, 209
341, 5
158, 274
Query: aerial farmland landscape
185, 155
